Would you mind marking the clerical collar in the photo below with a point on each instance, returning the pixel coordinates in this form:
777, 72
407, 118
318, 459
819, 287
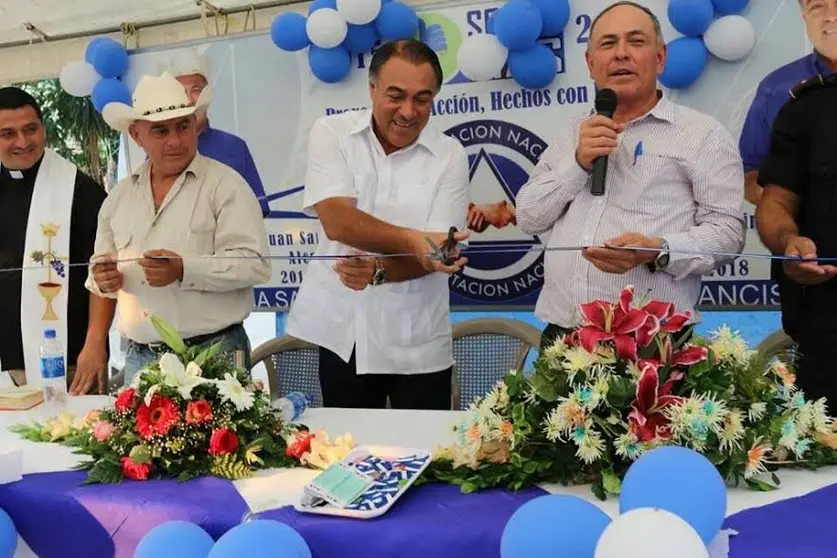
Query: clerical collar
27, 174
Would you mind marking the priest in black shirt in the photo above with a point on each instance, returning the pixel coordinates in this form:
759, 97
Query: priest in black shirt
48, 218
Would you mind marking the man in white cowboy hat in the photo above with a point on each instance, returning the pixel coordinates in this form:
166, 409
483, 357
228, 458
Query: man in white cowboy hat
194, 71
182, 238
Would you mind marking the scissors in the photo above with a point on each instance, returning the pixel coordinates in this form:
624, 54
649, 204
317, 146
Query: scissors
447, 252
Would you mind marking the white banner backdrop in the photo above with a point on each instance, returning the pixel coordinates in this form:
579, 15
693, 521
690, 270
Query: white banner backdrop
270, 99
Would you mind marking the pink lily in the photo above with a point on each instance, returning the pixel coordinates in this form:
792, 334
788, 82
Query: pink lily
606, 322
661, 317
684, 357
647, 419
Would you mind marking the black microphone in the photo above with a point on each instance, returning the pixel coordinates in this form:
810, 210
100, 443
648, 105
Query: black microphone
606, 106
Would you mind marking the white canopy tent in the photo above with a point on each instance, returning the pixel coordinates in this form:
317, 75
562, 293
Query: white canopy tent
37, 37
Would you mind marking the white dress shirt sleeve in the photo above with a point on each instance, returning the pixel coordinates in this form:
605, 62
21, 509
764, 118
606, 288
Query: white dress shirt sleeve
553, 184
104, 244
717, 177
327, 172
450, 207
240, 243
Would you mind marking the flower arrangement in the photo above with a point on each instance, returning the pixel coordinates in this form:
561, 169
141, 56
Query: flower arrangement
191, 413
632, 378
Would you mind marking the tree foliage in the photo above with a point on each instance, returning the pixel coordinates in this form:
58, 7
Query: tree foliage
76, 131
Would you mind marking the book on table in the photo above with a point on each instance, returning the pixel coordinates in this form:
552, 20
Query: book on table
20, 398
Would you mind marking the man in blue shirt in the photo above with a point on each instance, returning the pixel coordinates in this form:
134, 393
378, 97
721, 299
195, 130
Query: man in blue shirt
217, 144
772, 94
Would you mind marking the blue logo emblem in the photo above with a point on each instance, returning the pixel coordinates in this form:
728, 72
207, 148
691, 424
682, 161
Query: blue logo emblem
500, 156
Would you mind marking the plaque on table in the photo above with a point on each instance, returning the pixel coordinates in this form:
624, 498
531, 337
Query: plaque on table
366, 483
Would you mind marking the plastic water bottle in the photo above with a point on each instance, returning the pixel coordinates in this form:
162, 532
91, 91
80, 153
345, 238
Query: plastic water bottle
292, 405
53, 369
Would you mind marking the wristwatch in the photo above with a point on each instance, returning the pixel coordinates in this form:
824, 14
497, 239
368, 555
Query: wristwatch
662, 259
380, 275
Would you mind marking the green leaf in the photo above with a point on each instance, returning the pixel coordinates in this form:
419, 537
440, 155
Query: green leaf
469, 487
761, 486
775, 479
104, 472
530, 467
610, 482
518, 413
169, 335
207, 354
545, 389
516, 460
599, 491
140, 454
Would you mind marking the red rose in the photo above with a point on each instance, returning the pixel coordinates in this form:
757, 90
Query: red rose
126, 400
198, 411
135, 471
223, 441
300, 444
157, 418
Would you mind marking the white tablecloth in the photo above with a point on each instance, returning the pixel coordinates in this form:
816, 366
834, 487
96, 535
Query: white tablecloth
416, 429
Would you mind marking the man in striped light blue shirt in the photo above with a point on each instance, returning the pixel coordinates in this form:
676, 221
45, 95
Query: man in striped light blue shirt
675, 184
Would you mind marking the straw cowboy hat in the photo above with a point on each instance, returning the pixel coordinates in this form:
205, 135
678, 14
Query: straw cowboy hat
155, 99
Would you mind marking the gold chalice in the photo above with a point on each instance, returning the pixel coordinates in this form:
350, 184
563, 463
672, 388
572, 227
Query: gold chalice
49, 291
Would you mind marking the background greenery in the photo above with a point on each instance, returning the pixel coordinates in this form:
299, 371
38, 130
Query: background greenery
76, 131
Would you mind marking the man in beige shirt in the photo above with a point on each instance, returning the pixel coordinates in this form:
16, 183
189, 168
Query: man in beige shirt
182, 238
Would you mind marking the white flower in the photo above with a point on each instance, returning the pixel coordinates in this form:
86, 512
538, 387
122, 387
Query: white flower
731, 347
628, 446
821, 421
564, 418
150, 394
175, 375
231, 390
790, 434
591, 447
497, 398
732, 431
756, 411
576, 360
756, 457
555, 351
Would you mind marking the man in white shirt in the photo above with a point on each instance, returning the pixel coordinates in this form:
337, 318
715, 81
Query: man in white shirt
182, 238
675, 184
377, 180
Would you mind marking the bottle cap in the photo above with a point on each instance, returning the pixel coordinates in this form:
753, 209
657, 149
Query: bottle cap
49, 333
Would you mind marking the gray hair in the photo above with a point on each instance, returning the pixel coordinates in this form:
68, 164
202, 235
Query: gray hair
658, 29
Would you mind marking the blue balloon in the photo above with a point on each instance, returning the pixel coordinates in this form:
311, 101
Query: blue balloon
685, 61
518, 24
397, 21
690, 17
681, 481
110, 90
110, 59
555, 15
329, 64
360, 38
8, 535
262, 538
175, 539
729, 7
288, 31
534, 68
553, 525
320, 4
92, 46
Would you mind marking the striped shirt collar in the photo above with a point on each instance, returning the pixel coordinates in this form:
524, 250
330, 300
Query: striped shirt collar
663, 110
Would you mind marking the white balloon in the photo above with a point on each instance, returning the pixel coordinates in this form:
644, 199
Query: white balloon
481, 57
650, 533
326, 28
359, 12
78, 78
730, 38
